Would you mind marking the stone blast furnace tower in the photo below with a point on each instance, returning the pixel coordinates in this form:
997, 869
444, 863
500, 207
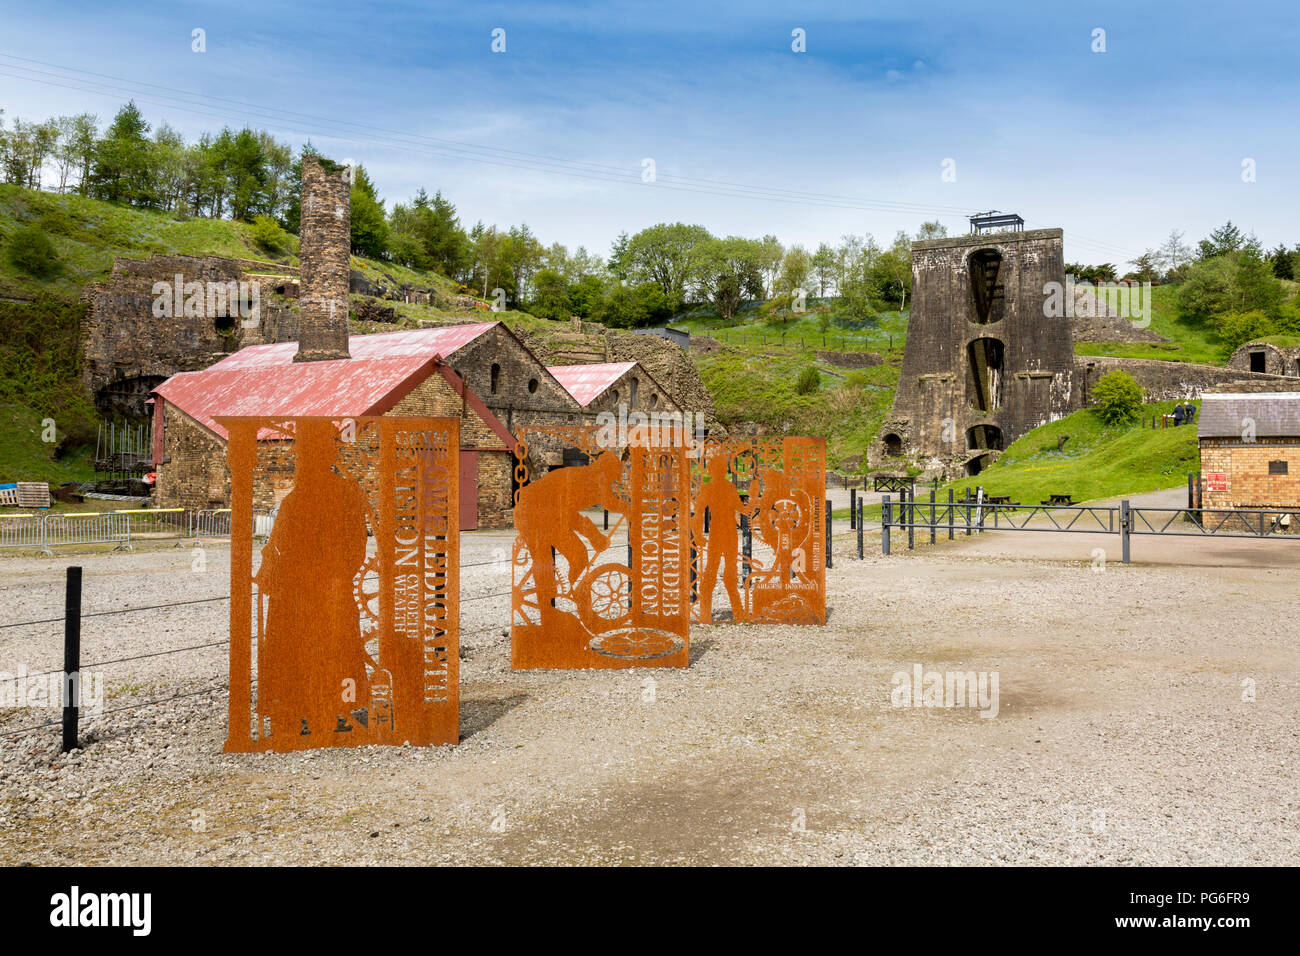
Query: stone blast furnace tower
984, 363
325, 238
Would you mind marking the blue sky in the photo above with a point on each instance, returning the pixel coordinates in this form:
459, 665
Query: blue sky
1117, 148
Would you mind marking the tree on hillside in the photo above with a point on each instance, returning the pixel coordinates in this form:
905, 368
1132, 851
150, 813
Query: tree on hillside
931, 230
1146, 267
1174, 254
729, 270
1118, 397
122, 167
1283, 261
427, 235
795, 268
1224, 240
662, 254
369, 225
823, 266
770, 255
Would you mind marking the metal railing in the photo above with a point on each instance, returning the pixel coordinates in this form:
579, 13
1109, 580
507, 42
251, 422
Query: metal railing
54, 529
973, 517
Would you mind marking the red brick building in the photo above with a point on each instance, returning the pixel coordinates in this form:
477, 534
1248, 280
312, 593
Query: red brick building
1250, 449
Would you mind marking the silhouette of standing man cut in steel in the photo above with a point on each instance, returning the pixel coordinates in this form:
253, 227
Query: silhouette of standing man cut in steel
312, 643
720, 544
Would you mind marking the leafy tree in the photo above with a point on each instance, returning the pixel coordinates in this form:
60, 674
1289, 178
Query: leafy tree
268, 234
662, 254
122, 163
369, 225
1118, 397
1238, 328
1254, 285
931, 230
1224, 240
550, 296
1207, 288
1174, 254
1283, 261
728, 270
795, 268
636, 306
1146, 267
823, 266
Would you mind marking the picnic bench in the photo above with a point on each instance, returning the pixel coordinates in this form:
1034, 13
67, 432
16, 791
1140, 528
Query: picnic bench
1058, 500
1004, 500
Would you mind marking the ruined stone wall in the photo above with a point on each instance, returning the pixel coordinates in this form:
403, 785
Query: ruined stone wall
129, 348
325, 252
1236, 474
1170, 381
1277, 361
981, 348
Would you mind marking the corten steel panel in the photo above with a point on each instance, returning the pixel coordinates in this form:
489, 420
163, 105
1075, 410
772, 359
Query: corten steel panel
779, 485
334, 643
468, 490
586, 597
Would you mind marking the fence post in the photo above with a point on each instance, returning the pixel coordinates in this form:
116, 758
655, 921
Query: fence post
859, 529
966, 510
884, 524
853, 508
71, 658
829, 563
606, 519
746, 547
911, 518
932, 516
952, 516
1191, 498
1125, 518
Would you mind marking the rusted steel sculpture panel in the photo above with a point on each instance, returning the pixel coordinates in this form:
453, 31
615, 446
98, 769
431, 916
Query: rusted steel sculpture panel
346, 633
584, 596
776, 487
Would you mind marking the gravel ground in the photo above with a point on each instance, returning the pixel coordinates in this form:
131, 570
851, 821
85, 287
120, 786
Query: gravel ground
1121, 734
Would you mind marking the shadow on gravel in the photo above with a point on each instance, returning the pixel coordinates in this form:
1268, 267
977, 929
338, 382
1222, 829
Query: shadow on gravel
478, 715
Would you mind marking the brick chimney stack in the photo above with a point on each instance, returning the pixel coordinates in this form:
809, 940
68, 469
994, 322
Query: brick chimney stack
325, 235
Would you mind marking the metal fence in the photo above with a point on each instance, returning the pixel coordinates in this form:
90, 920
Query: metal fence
44, 532
972, 517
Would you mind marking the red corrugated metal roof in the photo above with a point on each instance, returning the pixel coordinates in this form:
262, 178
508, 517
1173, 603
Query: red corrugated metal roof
264, 379
586, 382
441, 341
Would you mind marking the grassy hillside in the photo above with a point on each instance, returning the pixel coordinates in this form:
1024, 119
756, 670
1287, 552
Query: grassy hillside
1190, 339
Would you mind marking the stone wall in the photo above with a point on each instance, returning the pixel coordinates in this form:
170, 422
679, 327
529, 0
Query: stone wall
129, 348
1277, 361
1170, 381
1236, 474
325, 252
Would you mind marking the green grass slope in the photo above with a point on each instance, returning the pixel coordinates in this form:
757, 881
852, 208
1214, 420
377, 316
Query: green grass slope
1098, 461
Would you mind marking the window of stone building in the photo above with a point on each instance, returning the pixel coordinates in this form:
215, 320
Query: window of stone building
1257, 362
654, 400
1277, 467
224, 324
532, 385
632, 398
496, 377
614, 395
